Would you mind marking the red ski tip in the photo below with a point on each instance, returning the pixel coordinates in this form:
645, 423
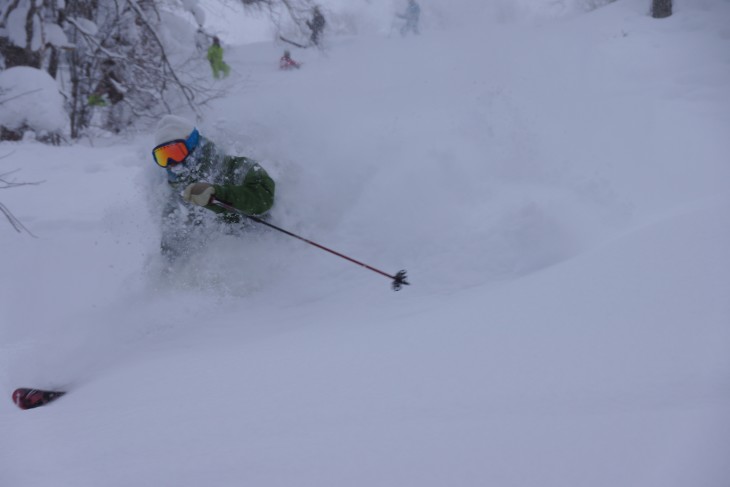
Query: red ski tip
26, 398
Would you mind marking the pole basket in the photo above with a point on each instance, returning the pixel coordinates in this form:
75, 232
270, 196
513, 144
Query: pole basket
399, 280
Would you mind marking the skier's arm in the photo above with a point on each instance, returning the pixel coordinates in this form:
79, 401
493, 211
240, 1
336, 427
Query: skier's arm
254, 196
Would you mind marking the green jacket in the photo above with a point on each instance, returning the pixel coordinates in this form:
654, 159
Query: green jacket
238, 181
215, 55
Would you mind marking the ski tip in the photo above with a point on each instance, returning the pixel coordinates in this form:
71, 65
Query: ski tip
27, 398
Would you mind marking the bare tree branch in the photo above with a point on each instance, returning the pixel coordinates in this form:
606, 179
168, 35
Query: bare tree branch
4, 184
91, 40
13, 184
19, 95
183, 88
14, 222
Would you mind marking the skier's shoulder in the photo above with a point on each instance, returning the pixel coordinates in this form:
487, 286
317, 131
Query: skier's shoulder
239, 160
242, 165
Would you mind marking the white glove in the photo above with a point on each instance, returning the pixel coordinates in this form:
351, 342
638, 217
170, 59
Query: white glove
199, 193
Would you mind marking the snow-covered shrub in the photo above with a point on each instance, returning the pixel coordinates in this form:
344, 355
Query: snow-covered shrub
30, 101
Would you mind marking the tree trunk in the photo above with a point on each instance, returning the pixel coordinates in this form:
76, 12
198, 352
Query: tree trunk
12, 54
34, 57
53, 63
661, 8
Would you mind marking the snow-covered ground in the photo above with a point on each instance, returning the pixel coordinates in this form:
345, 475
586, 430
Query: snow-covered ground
557, 191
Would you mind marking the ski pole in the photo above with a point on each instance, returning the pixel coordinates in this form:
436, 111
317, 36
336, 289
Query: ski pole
399, 279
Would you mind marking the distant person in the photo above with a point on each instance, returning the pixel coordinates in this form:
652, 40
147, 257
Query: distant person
215, 56
198, 172
287, 63
316, 25
109, 87
411, 15
108, 94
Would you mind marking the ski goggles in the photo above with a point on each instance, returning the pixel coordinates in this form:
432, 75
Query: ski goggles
175, 152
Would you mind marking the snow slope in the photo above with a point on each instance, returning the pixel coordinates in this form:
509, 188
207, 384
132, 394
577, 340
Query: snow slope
557, 193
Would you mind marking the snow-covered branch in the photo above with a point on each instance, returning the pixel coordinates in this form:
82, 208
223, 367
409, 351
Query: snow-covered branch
19, 95
184, 89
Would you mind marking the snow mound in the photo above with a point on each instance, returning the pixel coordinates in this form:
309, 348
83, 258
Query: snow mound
29, 97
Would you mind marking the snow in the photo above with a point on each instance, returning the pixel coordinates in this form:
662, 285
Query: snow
15, 25
55, 36
30, 96
555, 189
225, 21
84, 25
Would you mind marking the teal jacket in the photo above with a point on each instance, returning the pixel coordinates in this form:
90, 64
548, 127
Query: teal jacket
239, 181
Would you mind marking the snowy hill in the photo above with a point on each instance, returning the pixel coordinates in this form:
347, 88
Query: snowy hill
556, 191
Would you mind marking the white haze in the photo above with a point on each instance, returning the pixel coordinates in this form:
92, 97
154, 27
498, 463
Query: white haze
556, 187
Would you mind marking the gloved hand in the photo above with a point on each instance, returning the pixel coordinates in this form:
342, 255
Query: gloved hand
199, 193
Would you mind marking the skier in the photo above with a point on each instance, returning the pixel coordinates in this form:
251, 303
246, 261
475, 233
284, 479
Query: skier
287, 63
199, 171
108, 95
316, 25
411, 15
215, 56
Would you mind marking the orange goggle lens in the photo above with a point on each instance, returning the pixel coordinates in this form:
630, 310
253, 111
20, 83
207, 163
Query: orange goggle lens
171, 153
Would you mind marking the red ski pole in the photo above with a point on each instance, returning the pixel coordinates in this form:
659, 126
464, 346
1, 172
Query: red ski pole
399, 279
